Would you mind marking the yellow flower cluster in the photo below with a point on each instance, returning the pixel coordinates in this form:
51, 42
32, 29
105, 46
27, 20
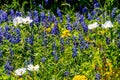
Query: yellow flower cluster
65, 33
80, 77
48, 30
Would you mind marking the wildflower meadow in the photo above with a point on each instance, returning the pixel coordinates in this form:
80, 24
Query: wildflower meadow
56, 40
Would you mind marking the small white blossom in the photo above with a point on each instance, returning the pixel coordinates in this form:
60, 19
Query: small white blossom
107, 24
17, 21
27, 20
93, 25
20, 71
20, 20
33, 68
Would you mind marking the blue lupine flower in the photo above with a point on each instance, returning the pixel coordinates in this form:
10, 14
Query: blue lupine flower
43, 59
17, 31
1, 11
35, 13
53, 53
81, 47
97, 77
75, 24
30, 14
86, 45
7, 35
98, 18
40, 6
56, 58
69, 27
3, 17
85, 10
42, 16
96, 5
107, 40
7, 28
12, 13
8, 68
15, 39
30, 40
0, 55
36, 20
83, 44
74, 52
66, 73
113, 13
18, 13
81, 19
89, 16
53, 19
59, 13
93, 13
55, 30
95, 1
46, 2
85, 27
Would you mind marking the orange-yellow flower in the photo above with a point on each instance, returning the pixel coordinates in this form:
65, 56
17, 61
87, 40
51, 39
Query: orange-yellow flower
48, 30
80, 77
65, 33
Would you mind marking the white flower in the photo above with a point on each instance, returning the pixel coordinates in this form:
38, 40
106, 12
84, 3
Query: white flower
92, 26
107, 24
33, 68
17, 21
27, 20
20, 71
20, 20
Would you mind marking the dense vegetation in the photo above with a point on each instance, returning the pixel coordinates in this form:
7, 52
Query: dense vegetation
59, 40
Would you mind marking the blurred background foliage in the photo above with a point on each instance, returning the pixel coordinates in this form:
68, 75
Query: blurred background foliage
75, 5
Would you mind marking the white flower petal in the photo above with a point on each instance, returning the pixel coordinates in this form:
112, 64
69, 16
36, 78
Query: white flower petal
20, 20
107, 24
20, 71
33, 68
36, 68
92, 26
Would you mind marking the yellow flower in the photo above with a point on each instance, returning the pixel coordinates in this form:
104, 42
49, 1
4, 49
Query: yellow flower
52, 25
102, 32
48, 30
65, 33
88, 39
80, 77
